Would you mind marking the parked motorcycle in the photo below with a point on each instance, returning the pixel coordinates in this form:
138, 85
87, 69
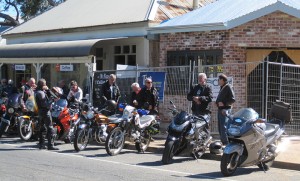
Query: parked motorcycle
135, 125
94, 124
10, 119
252, 140
186, 133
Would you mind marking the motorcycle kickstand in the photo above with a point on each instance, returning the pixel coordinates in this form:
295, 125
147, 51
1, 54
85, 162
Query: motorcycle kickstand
195, 156
262, 165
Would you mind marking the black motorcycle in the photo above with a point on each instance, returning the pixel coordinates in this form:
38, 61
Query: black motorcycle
186, 134
10, 119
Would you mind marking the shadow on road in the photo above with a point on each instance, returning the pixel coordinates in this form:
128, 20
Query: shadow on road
286, 165
159, 163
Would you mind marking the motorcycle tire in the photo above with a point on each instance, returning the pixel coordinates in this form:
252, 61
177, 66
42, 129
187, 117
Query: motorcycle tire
81, 139
25, 132
229, 160
115, 141
143, 145
168, 152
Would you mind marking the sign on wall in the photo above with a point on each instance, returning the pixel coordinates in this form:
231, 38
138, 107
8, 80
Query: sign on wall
213, 83
66, 68
158, 79
20, 67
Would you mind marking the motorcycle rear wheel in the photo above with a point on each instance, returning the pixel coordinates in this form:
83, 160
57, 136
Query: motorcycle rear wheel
115, 141
229, 163
168, 152
25, 131
143, 145
81, 139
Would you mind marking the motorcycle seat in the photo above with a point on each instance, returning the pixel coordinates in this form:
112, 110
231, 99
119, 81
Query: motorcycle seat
114, 118
271, 129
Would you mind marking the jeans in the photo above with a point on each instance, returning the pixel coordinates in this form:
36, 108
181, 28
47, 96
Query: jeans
46, 119
222, 122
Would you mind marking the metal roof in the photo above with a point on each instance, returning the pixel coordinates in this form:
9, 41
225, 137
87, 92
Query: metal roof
78, 48
226, 14
87, 13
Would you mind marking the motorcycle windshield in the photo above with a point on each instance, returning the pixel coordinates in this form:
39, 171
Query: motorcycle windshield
13, 100
245, 115
181, 118
61, 103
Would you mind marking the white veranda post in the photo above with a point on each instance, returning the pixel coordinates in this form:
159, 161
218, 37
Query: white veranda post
38, 67
91, 67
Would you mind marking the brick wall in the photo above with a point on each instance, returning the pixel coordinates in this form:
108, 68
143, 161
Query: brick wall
276, 30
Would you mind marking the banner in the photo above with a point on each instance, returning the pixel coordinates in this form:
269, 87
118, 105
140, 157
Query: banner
158, 79
213, 83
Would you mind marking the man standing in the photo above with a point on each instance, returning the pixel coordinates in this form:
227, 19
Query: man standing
224, 103
150, 96
136, 96
27, 91
44, 106
110, 90
64, 87
201, 95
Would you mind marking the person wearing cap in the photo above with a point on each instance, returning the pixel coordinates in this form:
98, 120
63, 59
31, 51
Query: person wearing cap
27, 90
224, 103
150, 97
201, 96
110, 90
75, 94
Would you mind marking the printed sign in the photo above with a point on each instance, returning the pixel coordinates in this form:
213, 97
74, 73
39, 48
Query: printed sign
213, 83
66, 68
158, 79
20, 67
99, 79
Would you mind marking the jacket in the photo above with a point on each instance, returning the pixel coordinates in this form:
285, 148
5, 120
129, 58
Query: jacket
26, 92
138, 97
43, 102
150, 96
205, 96
110, 94
226, 95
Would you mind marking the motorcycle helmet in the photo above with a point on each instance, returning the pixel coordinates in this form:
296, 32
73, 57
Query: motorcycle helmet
10, 82
111, 105
216, 147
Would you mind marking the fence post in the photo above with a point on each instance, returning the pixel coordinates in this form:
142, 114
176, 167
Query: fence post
263, 89
280, 88
267, 82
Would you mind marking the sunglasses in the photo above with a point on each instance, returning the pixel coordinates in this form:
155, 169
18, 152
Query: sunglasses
148, 82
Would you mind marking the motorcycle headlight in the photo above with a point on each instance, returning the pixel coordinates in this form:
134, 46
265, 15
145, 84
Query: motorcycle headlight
11, 110
126, 113
234, 130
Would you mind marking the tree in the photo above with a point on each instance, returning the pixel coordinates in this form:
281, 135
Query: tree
25, 9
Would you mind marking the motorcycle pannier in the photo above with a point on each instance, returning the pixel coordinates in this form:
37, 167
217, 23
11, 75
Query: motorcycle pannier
282, 111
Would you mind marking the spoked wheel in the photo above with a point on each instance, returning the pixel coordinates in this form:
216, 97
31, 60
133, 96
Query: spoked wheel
25, 129
81, 139
168, 152
115, 141
142, 145
229, 163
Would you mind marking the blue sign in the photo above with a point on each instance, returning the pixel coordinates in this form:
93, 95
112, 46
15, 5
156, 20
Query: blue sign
158, 79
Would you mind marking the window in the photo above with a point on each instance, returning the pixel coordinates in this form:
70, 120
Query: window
99, 58
125, 55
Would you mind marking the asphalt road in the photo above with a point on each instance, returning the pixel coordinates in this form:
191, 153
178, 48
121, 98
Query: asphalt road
23, 161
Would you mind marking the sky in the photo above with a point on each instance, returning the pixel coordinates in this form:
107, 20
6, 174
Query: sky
10, 12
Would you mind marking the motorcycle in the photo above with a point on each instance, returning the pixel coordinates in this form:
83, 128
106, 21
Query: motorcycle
186, 134
135, 124
252, 140
10, 119
94, 125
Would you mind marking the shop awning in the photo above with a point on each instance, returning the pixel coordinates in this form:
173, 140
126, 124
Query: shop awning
64, 50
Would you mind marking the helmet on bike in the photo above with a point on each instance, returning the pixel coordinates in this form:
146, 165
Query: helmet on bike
10, 82
216, 147
111, 105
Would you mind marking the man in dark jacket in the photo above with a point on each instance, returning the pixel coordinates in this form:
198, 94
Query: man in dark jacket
150, 97
110, 90
27, 91
136, 96
201, 95
44, 106
224, 103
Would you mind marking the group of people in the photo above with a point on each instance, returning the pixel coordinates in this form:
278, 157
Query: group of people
201, 95
146, 97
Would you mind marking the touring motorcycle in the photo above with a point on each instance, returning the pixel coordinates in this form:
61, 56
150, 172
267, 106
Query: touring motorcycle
137, 125
252, 140
186, 133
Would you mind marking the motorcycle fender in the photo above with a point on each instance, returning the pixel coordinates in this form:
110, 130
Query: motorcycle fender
25, 117
82, 126
233, 147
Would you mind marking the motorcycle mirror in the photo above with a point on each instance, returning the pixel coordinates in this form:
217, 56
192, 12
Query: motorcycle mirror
171, 102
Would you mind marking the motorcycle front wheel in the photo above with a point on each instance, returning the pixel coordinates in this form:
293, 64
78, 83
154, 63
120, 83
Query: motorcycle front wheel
115, 141
142, 144
168, 152
25, 130
229, 163
81, 139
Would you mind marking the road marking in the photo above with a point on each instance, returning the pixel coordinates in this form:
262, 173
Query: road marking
121, 163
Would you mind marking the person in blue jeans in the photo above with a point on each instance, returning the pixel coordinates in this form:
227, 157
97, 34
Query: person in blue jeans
224, 103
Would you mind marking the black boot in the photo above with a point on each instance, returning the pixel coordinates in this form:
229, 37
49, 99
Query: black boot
52, 148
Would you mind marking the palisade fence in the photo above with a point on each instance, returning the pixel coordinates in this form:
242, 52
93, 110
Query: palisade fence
256, 85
